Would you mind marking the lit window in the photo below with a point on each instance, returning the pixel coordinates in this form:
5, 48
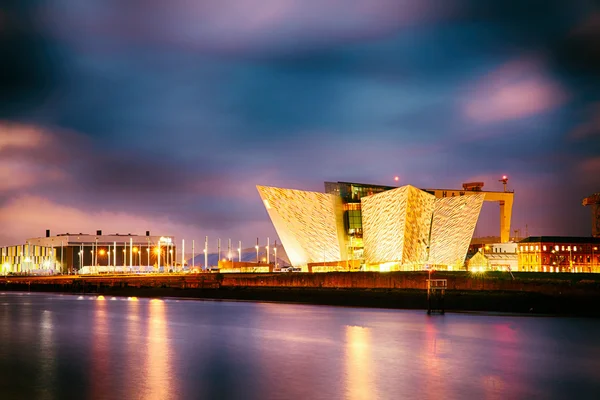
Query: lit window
556, 247
537, 248
574, 248
521, 248
544, 250
563, 248
569, 248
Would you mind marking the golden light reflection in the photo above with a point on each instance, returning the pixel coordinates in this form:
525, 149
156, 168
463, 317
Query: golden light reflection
359, 372
158, 354
135, 357
100, 354
47, 351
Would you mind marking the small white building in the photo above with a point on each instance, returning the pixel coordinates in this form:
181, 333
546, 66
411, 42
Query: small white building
496, 257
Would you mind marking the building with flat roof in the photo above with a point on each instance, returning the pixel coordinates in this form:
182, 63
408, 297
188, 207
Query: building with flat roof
88, 253
559, 254
373, 227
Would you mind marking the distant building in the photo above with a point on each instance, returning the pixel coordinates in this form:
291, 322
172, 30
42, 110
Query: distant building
495, 257
23, 258
559, 254
86, 253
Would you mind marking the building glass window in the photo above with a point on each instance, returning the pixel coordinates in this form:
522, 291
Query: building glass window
544, 248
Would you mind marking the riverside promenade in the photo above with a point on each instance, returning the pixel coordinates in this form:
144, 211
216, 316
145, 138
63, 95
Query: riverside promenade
546, 293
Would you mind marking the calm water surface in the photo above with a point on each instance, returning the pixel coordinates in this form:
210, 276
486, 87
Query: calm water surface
89, 347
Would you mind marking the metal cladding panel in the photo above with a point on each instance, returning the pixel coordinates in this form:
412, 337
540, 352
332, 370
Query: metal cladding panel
305, 222
396, 225
383, 222
454, 221
417, 226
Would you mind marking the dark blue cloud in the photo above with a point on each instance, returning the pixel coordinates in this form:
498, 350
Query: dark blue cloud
182, 110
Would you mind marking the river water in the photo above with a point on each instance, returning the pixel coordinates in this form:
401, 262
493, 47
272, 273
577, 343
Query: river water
93, 347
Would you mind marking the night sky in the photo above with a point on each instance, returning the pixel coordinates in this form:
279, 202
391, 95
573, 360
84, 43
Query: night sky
135, 115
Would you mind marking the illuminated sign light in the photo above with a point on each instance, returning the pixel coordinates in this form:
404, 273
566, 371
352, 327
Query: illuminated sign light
165, 239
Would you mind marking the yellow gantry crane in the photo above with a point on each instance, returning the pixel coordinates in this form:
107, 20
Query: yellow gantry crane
594, 201
505, 199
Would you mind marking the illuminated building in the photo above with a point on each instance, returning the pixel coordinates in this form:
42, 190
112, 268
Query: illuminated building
26, 257
378, 227
86, 253
495, 257
559, 254
306, 223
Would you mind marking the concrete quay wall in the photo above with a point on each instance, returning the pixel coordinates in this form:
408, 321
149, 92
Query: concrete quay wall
461, 281
551, 284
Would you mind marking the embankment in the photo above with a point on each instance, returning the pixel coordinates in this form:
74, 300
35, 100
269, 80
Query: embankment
565, 294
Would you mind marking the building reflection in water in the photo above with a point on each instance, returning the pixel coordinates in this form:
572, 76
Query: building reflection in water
158, 371
359, 372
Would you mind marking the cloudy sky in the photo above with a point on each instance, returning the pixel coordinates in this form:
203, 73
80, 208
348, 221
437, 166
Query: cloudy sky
135, 115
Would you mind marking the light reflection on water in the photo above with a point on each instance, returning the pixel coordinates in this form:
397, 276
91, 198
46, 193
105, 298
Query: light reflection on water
87, 347
100, 350
358, 363
158, 373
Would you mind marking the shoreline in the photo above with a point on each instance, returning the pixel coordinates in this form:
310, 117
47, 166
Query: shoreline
456, 301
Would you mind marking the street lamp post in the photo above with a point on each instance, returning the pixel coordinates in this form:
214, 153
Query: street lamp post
206, 253
158, 261
130, 253
267, 250
218, 250
182, 255
229, 251
256, 247
240, 251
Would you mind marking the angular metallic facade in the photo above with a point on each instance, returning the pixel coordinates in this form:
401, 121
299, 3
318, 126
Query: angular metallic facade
454, 220
307, 223
405, 228
396, 226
